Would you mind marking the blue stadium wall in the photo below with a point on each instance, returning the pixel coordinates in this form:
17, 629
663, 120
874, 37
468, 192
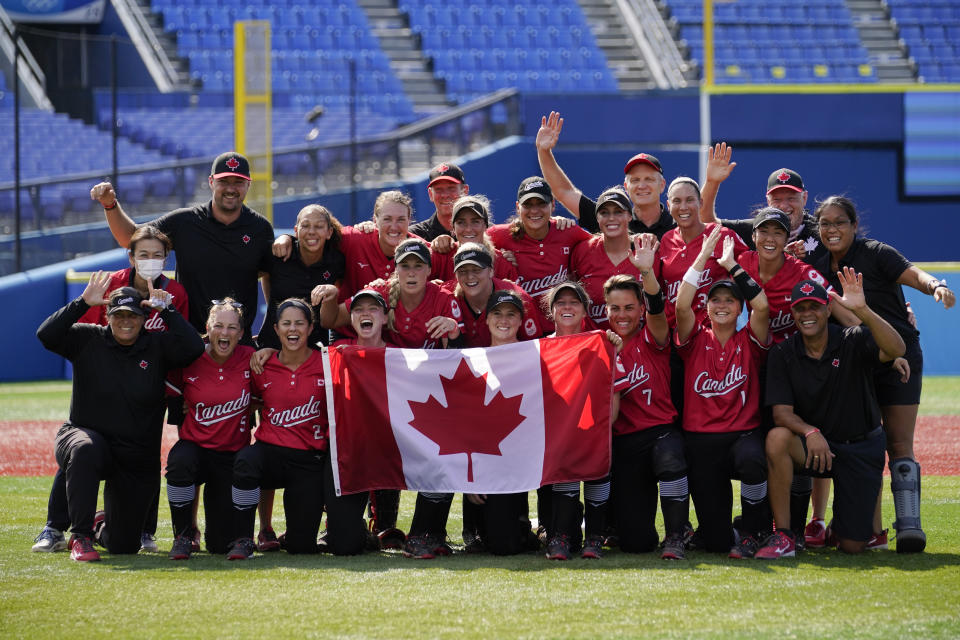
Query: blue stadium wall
850, 144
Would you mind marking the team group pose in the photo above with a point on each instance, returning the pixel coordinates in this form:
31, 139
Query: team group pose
821, 379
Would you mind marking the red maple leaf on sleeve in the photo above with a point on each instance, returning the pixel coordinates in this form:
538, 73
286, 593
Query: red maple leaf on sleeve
466, 424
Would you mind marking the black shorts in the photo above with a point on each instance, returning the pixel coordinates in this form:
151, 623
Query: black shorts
890, 391
857, 474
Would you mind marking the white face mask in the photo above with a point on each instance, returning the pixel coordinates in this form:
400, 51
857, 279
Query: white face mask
149, 269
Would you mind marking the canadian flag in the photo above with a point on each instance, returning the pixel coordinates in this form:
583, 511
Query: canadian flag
495, 420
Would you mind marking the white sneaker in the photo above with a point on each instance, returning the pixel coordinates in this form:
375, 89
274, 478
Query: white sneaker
148, 543
50, 540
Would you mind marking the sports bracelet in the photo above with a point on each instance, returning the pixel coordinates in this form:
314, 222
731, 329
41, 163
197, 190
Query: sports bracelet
692, 276
812, 431
935, 284
111, 207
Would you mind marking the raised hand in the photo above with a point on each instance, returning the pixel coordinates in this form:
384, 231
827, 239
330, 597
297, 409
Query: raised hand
94, 294
645, 251
851, 283
710, 243
549, 132
719, 166
159, 298
104, 193
727, 259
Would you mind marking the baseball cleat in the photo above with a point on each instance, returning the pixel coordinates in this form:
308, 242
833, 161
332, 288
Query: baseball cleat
780, 545
419, 547
267, 541
592, 547
182, 546
558, 548
242, 549
815, 534
49, 540
745, 548
148, 543
81, 549
391, 538
673, 547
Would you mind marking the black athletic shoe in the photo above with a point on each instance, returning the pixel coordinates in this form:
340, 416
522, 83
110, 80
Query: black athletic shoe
592, 547
558, 548
242, 549
745, 548
419, 547
182, 547
673, 547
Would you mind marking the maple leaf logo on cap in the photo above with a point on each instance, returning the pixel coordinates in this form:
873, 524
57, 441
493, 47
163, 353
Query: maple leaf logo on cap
246, 239
836, 362
783, 176
233, 163
326, 275
643, 156
806, 289
143, 364
442, 168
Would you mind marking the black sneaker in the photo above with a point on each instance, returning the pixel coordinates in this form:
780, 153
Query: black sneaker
242, 549
592, 547
745, 548
472, 543
182, 547
419, 547
558, 548
673, 547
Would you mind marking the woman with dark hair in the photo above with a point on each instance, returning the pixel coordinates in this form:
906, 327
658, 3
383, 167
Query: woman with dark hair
885, 270
471, 219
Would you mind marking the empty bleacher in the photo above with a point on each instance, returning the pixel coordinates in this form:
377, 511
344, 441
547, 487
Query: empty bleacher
931, 32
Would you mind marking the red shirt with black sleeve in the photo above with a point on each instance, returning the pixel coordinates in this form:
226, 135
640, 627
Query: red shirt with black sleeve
643, 382
294, 410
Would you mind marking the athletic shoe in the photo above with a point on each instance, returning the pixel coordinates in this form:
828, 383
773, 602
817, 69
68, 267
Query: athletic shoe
81, 549
542, 535
242, 549
878, 540
49, 540
815, 534
694, 540
267, 541
182, 547
419, 547
558, 548
472, 543
99, 519
673, 547
391, 538
744, 549
592, 547
440, 547
194, 534
780, 545
148, 543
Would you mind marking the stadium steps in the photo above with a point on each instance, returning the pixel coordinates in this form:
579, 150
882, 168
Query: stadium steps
623, 56
169, 44
406, 58
879, 36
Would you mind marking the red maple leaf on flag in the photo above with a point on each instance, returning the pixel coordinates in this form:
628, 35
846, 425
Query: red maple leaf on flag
466, 424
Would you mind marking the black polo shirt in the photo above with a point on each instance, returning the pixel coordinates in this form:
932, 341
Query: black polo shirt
881, 266
809, 233
216, 260
429, 228
835, 393
292, 278
119, 391
588, 220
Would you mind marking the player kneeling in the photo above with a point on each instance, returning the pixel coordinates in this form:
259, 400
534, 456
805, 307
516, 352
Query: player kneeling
820, 384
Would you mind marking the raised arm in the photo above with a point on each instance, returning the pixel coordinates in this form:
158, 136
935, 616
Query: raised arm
332, 313
686, 318
890, 343
121, 225
653, 300
925, 283
563, 189
719, 169
752, 292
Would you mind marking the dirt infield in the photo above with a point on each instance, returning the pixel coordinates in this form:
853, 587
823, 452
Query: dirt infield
28, 446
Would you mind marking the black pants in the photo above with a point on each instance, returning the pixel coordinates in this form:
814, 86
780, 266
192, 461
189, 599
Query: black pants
131, 482
307, 480
189, 465
640, 461
715, 459
506, 523
58, 515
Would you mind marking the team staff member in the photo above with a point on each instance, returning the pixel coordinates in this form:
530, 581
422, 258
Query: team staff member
222, 246
447, 183
315, 260
471, 218
785, 191
721, 411
820, 385
291, 450
643, 181
148, 250
885, 271
116, 410
608, 254
217, 423
541, 248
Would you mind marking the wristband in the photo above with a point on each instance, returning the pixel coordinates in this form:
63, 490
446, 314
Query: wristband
692, 276
111, 207
811, 432
935, 284
748, 286
654, 302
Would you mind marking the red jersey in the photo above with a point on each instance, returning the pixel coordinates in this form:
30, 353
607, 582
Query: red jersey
676, 257
125, 278
216, 400
294, 410
779, 288
541, 264
476, 333
721, 384
643, 382
411, 326
443, 266
365, 261
591, 265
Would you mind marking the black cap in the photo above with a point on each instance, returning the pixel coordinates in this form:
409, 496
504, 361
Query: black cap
504, 296
808, 290
472, 256
785, 178
645, 158
616, 195
726, 284
412, 247
772, 214
230, 163
369, 293
534, 187
125, 299
572, 286
472, 205
448, 172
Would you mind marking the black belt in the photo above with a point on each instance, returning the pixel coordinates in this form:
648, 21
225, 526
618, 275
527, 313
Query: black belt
860, 438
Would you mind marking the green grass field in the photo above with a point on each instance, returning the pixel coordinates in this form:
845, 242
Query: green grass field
382, 595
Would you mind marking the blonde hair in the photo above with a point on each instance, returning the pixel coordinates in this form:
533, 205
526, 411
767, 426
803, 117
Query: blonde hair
393, 295
393, 196
227, 304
